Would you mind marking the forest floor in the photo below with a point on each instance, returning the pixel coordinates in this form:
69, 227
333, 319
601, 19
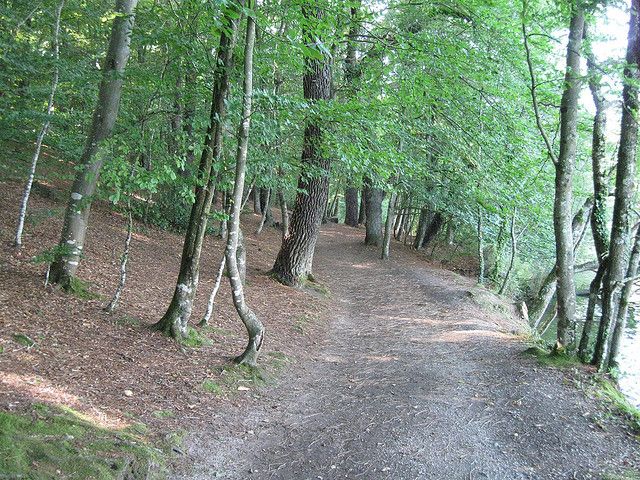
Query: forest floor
397, 369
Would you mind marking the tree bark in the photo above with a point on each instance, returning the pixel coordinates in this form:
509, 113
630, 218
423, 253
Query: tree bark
562, 217
265, 211
480, 247
294, 262
43, 131
284, 213
373, 235
351, 206
176, 318
255, 329
76, 219
362, 213
212, 298
625, 190
423, 223
124, 259
598, 149
432, 230
388, 226
594, 291
513, 253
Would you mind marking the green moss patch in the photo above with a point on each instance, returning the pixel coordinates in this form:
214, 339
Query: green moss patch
50, 443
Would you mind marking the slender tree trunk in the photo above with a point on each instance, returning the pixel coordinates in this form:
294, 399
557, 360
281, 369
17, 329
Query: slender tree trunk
598, 149
594, 291
76, 217
512, 258
407, 232
284, 213
388, 226
625, 190
562, 217
266, 208
212, 298
351, 206
255, 329
480, 248
293, 264
176, 318
111, 306
257, 205
623, 306
43, 131
373, 224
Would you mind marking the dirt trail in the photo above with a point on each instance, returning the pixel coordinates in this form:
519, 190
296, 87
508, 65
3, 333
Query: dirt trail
413, 381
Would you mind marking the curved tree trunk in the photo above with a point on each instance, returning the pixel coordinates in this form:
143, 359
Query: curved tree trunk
253, 325
625, 190
43, 131
293, 264
175, 320
76, 218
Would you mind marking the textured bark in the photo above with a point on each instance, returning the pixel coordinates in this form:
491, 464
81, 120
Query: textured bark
294, 262
598, 149
388, 226
362, 213
43, 131
594, 291
255, 329
562, 216
175, 320
625, 190
351, 206
76, 217
373, 224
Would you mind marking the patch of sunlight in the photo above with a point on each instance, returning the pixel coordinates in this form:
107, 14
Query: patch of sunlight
39, 389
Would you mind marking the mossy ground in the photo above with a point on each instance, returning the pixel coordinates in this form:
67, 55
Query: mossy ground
52, 443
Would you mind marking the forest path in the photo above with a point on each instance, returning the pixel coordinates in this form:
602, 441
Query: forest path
413, 381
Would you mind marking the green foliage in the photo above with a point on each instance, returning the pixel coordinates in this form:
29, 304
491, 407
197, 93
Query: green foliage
52, 443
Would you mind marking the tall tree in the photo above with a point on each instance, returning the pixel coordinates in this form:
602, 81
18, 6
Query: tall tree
175, 320
373, 223
254, 327
619, 243
294, 261
76, 219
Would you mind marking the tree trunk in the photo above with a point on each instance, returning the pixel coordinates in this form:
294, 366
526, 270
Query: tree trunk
373, 224
265, 212
594, 291
388, 226
293, 264
623, 306
598, 149
625, 190
513, 253
76, 218
423, 223
123, 265
539, 304
362, 213
175, 320
562, 217
43, 131
351, 206
257, 203
212, 298
480, 247
255, 329
284, 213
432, 230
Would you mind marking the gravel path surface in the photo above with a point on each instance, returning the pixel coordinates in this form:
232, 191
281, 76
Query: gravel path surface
413, 381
